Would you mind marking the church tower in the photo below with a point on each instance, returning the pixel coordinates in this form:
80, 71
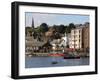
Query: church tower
32, 23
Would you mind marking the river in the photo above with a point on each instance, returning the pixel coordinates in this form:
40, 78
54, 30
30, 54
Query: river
37, 62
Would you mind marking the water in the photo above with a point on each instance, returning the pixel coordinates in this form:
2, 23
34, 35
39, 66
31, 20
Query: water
36, 62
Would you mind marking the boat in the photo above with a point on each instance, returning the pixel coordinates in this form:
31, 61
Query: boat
71, 57
55, 62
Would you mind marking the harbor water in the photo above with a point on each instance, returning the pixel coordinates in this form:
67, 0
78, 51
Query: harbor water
37, 62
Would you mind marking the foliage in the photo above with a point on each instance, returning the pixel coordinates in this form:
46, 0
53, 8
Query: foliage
43, 28
69, 27
28, 30
62, 29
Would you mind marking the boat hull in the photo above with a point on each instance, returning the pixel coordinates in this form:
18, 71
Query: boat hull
71, 57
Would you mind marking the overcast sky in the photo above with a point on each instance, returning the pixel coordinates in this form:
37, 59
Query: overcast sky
52, 19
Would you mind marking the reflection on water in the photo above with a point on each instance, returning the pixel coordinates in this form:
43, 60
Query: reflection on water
36, 62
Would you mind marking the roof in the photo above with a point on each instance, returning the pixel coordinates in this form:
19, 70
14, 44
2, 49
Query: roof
34, 42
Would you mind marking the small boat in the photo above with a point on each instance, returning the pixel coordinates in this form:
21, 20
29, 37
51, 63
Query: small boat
55, 62
72, 57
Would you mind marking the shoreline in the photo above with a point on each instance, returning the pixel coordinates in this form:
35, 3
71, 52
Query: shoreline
31, 55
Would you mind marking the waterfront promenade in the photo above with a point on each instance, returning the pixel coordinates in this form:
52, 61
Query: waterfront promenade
47, 54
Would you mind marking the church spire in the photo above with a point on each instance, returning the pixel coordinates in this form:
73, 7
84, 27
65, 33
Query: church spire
32, 23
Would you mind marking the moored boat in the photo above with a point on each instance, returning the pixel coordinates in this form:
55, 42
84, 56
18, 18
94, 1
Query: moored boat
71, 57
54, 62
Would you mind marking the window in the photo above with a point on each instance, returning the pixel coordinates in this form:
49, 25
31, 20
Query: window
79, 36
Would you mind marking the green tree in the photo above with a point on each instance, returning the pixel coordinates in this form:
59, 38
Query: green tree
43, 27
69, 27
38, 30
67, 30
61, 29
28, 30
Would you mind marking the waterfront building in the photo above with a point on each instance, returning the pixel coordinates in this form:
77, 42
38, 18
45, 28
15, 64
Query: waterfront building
79, 37
69, 43
32, 44
64, 40
76, 38
86, 36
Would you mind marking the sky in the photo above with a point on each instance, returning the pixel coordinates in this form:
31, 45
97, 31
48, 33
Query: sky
54, 19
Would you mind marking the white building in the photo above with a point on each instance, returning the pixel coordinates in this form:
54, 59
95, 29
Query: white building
60, 42
76, 38
64, 40
69, 39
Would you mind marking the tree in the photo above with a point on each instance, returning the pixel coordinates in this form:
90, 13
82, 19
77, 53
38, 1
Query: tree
61, 29
54, 26
39, 30
43, 27
71, 25
67, 30
28, 30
